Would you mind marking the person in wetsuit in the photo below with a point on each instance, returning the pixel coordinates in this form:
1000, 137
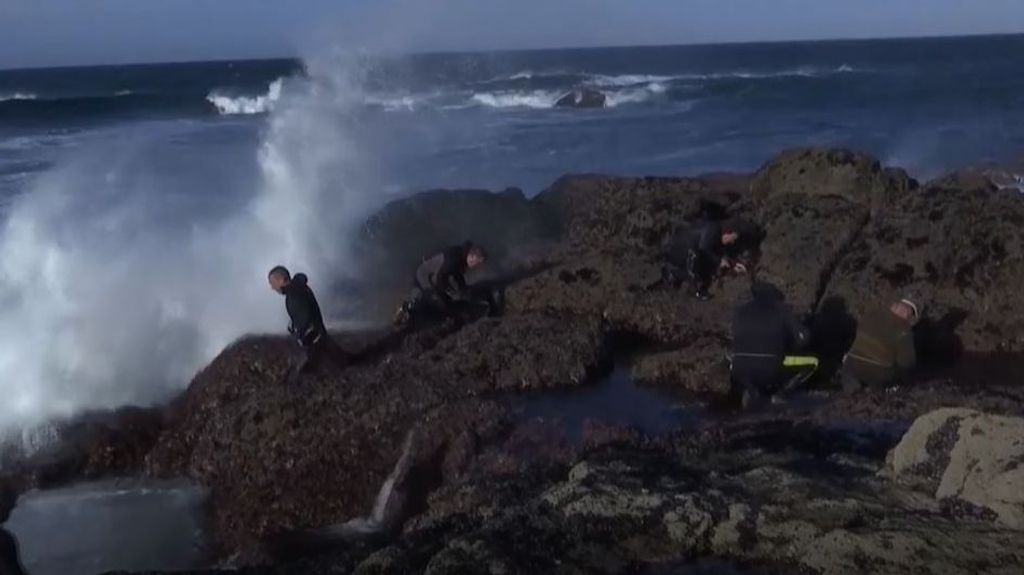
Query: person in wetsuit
766, 341
10, 560
701, 252
884, 351
440, 282
306, 322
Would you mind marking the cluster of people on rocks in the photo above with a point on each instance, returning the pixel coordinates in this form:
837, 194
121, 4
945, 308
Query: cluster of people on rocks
771, 348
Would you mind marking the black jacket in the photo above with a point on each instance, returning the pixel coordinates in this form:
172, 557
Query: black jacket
445, 272
706, 240
766, 328
307, 323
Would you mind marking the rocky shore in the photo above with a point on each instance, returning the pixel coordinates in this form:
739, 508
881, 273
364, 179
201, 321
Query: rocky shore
828, 483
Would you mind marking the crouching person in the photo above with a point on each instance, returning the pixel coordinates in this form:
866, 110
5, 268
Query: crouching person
700, 254
439, 285
884, 352
767, 341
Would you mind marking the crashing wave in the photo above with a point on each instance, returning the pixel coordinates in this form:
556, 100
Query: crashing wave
247, 105
404, 103
17, 96
537, 99
635, 96
627, 80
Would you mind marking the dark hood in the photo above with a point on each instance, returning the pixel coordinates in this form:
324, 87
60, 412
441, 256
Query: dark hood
766, 293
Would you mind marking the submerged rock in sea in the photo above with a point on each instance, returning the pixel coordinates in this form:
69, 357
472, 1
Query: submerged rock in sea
582, 98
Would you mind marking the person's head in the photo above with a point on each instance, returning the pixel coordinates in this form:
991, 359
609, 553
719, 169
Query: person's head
279, 278
475, 255
8, 499
732, 230
907, 310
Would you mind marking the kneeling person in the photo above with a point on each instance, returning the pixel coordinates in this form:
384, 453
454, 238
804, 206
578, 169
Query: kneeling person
766, 342
702, 252
884, 350
307, 323
440, 282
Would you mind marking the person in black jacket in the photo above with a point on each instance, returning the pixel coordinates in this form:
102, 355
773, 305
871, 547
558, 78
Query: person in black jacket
703, 251
10, 561
440, 282
306, 322
766, 342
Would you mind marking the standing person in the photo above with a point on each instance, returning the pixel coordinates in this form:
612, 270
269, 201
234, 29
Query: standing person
307, 323
884, 351
440, 281
10, 561
766, 342
702, 252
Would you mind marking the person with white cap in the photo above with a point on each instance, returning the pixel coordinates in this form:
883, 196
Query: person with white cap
884, 351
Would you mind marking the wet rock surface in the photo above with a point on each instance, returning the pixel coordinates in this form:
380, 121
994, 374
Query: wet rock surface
795, 487
962, 455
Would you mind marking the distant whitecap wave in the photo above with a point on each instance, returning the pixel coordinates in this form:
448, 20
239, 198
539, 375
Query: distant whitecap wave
248, 105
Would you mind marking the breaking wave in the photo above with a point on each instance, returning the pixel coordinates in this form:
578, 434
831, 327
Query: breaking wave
180, 280
17, 96
248, 105
537, 99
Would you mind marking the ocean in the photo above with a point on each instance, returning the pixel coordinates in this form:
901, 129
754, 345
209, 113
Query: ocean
142, 205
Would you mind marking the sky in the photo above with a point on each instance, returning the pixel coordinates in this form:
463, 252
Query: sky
35, 33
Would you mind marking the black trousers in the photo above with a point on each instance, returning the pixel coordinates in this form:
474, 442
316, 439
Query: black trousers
701, 268
449, 304
768, 375
312, 357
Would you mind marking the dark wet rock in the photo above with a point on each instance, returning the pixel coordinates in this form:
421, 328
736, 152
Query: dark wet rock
627, 507
856, 177
969, 456
601, 213
700, 368
283, 457
794, 486
395, 239
92, 446
970, 180
961, 253
807, 237
582, 98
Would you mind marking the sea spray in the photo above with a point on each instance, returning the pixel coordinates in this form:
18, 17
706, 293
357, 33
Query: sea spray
115, 289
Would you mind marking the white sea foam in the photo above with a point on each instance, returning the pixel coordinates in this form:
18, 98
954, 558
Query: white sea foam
536, 99
231, 105
106, 304
636, 95
627, 80
17, 96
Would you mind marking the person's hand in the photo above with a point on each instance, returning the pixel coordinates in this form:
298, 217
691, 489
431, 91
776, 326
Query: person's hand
739, 268
726, 264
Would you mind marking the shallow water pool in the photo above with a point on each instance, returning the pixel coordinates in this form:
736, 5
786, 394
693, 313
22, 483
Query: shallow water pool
105, 526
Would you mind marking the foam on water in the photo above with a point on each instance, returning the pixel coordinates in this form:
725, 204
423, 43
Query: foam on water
114, 293
17, 96
229, 105
537, 99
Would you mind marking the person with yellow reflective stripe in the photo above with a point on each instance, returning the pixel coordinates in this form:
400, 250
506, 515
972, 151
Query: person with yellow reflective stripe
767, 339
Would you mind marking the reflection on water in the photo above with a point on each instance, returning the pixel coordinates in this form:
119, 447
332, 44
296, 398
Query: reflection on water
106, 526
616, 400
